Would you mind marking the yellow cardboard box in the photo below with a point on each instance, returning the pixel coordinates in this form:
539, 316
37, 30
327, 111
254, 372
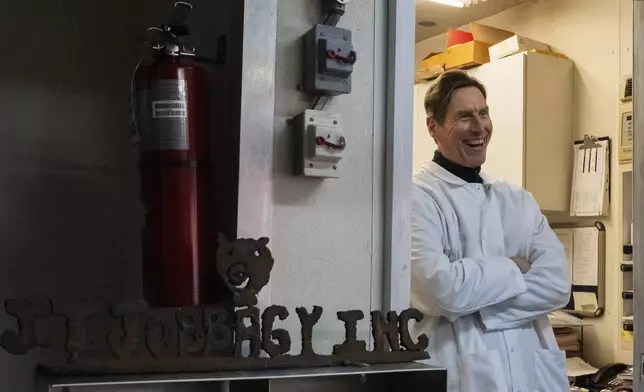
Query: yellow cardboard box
467, 55
431, 66
475, 52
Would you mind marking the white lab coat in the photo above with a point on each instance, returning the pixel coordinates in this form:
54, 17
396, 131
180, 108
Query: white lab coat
487, 322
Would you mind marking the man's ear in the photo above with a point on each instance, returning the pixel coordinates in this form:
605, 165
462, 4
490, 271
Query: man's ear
431, 126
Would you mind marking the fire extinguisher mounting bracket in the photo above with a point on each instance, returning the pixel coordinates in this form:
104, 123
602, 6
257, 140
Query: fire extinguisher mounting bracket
179, 14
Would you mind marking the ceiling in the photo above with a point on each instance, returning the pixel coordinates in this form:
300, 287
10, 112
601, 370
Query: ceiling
445, 16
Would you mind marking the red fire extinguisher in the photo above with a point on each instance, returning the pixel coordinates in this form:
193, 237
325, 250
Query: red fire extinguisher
170, 109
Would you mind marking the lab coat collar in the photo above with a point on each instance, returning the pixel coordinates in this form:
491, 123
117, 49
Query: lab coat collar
466, 173
434, 169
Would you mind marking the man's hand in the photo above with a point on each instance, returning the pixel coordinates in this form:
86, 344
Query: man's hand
522, 263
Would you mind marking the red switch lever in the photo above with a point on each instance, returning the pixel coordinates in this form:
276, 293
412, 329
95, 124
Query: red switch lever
321, 141
351, 59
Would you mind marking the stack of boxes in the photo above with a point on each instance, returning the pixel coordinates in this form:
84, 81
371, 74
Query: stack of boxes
480, 45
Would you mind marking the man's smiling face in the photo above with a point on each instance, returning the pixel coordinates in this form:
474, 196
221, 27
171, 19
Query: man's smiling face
464, 135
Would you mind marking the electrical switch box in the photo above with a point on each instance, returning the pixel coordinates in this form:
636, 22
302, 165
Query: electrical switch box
319, 144
328, 60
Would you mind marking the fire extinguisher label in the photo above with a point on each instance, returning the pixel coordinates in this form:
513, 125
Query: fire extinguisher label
169, 109
163, 111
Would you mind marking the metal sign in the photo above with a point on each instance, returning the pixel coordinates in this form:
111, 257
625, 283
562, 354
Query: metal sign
101, 338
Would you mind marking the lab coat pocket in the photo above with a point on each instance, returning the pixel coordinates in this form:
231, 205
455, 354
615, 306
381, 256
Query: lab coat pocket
550, 371
482, 372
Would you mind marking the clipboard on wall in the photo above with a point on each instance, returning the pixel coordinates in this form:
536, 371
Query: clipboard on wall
585, 246
590, 192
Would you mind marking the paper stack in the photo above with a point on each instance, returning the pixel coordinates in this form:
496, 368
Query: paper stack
568, 339
577, 367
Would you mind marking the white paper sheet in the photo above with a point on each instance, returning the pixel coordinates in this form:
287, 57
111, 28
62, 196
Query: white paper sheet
590, 178
585, 302
566, 238
578, 367
585, 256
559, 319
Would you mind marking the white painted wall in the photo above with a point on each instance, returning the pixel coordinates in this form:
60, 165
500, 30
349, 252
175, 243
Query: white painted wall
626, 37
323, 229
587, 31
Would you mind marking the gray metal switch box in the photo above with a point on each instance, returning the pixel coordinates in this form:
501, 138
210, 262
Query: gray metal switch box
328, 60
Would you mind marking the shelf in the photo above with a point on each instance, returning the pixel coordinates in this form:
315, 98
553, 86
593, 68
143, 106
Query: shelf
626, 167
410, 376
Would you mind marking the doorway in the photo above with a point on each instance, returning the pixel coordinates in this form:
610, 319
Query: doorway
598, 105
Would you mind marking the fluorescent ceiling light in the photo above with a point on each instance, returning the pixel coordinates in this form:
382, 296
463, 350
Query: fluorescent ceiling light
458, 3
453, 3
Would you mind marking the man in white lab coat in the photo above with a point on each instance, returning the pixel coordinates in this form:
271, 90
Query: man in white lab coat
486, 267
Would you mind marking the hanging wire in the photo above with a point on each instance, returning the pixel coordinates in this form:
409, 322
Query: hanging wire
321, 102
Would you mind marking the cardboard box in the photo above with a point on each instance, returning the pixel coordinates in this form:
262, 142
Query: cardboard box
516, 44
467, 55
431, 66
432, 60
457, 37
489, 35
475, 52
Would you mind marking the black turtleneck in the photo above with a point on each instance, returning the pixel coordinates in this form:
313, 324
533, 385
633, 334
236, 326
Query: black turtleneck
466, 174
